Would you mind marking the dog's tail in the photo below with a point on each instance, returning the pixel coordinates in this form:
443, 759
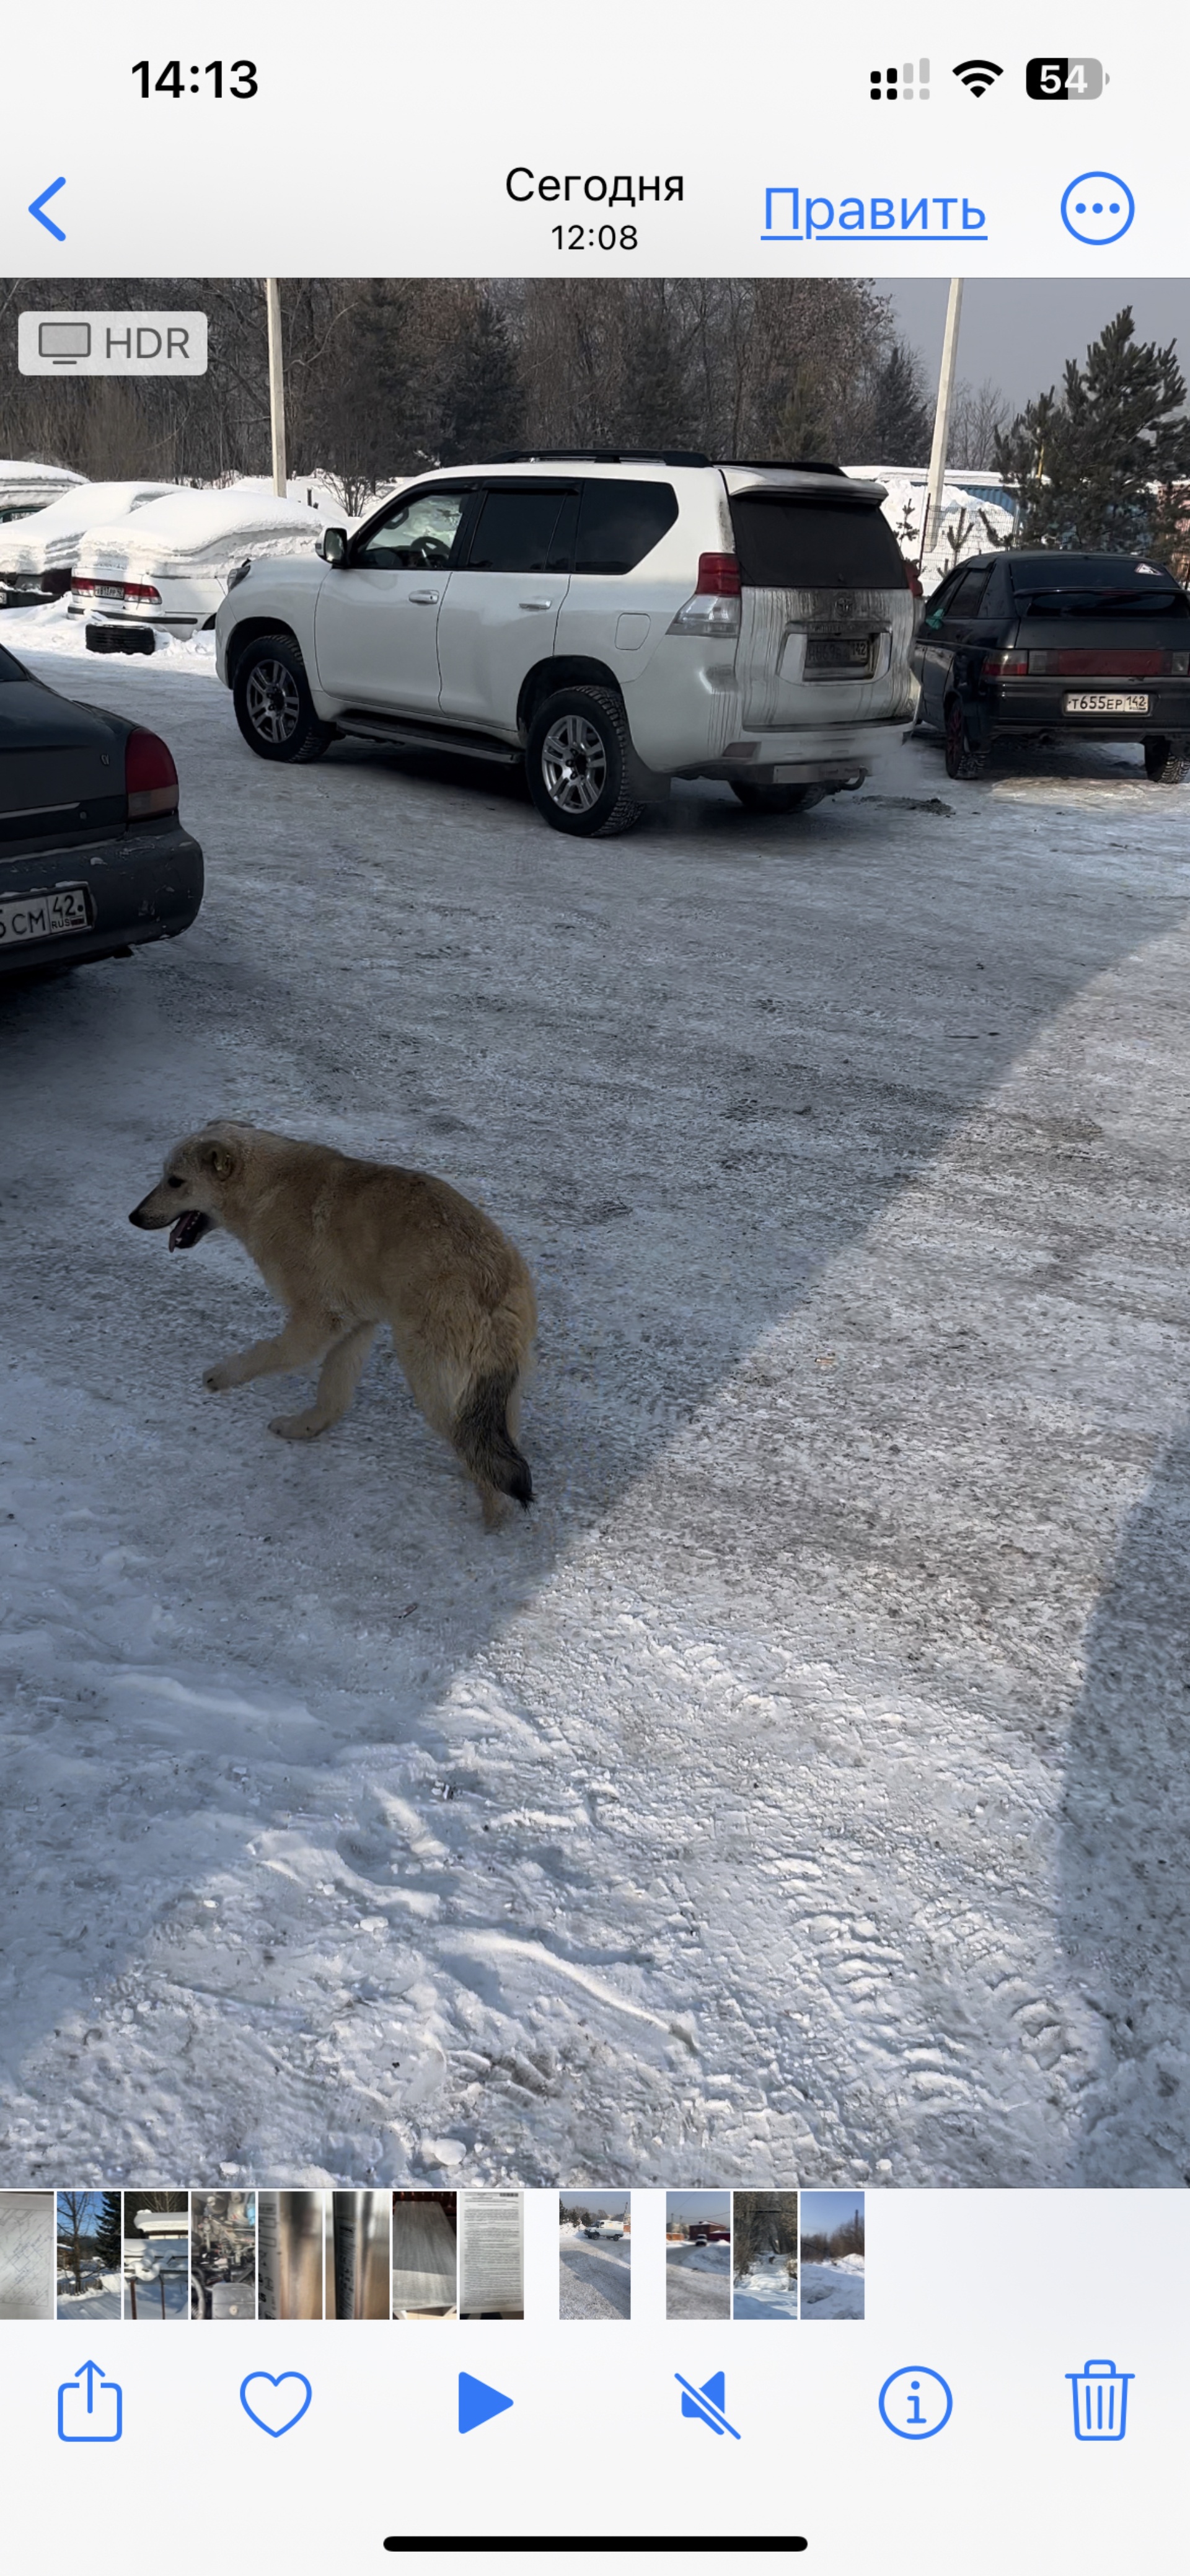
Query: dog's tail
483, 1439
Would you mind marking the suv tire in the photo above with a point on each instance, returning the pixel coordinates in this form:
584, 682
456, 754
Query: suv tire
274, 708
964, 758
577, 759
775, 800
1167, 759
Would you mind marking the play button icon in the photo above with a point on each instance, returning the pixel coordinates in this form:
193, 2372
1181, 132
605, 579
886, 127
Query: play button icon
477, 2402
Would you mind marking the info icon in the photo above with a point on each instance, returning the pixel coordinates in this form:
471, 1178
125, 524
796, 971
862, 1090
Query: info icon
915, 2402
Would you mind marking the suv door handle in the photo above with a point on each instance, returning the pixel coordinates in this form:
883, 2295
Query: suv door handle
424, 598
536, 603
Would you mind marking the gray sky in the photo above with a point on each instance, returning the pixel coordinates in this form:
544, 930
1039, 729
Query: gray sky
715, 2205
1020, 330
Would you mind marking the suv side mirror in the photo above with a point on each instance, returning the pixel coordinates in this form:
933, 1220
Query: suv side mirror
332, 546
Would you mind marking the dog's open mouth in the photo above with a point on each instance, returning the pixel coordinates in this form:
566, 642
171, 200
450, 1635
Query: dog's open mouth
188, 1229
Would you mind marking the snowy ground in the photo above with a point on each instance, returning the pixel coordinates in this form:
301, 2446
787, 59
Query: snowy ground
148, 2298
833, 2289
768, 2289
596, 2279
100, 2298
698, 2280
800, 1792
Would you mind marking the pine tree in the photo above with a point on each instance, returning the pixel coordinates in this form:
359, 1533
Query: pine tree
482, 403
901, 422
107, 2231
1097, 467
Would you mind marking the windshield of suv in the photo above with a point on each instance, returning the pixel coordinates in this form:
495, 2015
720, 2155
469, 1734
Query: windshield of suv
786, 543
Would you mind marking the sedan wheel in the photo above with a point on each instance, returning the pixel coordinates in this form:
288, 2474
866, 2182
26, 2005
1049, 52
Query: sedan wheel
964, 758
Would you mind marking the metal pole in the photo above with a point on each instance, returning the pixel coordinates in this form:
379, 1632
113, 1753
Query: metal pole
272, 288
950, 351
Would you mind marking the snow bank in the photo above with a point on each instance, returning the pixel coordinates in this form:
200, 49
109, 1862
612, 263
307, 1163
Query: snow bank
834, 2289
699, 2258
187, 532
50, 540
768, 2289
52, 629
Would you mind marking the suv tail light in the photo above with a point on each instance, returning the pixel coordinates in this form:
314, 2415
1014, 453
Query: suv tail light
715, 607
150, 779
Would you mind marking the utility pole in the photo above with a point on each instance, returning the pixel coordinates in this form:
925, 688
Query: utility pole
950, 351
272, 288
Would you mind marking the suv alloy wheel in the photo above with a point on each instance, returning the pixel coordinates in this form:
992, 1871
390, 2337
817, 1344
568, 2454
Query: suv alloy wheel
577, 760
274, 709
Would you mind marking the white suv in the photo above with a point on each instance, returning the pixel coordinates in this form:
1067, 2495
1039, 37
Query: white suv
615, 621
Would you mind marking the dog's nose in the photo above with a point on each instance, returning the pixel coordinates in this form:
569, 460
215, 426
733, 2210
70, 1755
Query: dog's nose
136, 1216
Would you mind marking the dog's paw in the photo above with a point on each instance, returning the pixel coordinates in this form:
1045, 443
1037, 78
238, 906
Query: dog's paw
297, 1426
216, 1380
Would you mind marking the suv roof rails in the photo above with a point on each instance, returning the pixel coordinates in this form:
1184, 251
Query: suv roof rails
599, 456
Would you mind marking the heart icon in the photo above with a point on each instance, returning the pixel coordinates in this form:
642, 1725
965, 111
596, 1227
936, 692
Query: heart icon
274, 2401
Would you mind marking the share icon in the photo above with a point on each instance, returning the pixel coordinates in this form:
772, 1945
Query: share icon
707, 2402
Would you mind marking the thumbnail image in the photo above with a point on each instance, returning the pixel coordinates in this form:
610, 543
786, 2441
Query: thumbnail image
90, 2256
26, 2254
595, 2255
222, 2255
289, 2254
491, 2254
764, 2244
156, 2256
698, 2254
356, 2263
425, 2254
832, 2253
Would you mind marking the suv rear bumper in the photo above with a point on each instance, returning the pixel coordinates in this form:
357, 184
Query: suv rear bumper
811, 756
147, 884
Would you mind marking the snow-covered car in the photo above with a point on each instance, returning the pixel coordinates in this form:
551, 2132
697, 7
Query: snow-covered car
25, 488
37, 558
612, 621
93, 857
170, 564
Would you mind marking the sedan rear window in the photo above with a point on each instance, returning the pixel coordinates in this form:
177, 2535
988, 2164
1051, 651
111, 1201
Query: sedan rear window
620, 523
1082, 588
785, 543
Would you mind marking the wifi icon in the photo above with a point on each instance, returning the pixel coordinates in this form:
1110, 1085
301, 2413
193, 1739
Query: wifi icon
978, 76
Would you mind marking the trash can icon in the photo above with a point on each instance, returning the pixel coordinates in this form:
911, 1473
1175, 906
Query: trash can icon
1100, 2401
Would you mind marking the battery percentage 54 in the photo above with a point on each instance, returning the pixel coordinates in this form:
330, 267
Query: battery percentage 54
1064, 76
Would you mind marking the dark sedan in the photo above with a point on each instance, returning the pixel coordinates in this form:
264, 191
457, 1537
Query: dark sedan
1074, 646
93, 857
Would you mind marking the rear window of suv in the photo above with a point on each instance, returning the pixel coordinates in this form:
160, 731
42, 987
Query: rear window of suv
620, 523
786, 543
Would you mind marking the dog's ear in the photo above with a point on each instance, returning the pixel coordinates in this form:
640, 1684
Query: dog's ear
219, 1159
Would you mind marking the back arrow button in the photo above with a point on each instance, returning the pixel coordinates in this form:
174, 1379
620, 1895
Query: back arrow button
38, 206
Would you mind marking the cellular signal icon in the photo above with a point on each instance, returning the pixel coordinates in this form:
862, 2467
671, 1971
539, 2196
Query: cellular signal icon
897, 81
977, 76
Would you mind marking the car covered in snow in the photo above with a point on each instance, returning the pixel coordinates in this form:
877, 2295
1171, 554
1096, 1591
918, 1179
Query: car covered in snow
1075, 646
37, 557
25, 487
613, 621
94, 859
170, 564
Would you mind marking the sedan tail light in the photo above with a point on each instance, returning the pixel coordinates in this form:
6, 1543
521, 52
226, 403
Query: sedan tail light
150, 779
715, 607
1109, 662
127, 589
1006, 666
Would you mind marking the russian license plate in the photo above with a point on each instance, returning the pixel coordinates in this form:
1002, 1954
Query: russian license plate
1105, 702
42, 916
841, 653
